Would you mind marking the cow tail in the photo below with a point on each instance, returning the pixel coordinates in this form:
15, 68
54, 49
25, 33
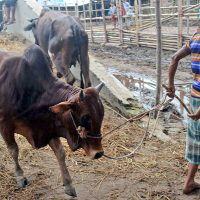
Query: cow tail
77, 36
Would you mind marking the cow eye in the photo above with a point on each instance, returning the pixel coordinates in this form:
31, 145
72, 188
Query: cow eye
85, 121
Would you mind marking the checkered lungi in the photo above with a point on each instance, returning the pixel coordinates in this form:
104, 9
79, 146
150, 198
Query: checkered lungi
193, 135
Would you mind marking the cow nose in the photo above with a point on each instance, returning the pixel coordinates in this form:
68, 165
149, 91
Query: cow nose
59, 75
98, 155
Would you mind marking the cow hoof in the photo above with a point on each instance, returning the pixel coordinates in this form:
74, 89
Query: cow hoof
70, 190
22, 183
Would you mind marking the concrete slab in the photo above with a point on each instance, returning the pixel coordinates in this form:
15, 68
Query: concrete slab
114, 92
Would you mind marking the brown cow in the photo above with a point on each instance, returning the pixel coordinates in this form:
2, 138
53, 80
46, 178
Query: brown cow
36, 105
64, 39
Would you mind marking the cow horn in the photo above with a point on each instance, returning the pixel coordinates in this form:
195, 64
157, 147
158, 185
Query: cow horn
99, 87
81, 95
33, 19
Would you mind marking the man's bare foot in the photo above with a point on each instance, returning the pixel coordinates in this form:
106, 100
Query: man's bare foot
190, 187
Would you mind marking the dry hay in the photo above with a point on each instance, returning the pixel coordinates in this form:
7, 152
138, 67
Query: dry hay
152, 164
13, 43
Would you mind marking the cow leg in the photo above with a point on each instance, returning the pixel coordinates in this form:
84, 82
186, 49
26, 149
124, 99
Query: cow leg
7, 9
84, 62
57, 147
14, 152
65, 70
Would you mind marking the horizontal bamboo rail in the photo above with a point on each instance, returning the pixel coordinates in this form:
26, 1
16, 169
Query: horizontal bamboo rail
138, 35
169, 41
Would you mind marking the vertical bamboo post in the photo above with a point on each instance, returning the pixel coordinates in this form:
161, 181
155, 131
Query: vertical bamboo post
136, 22
104, 20
76, 9
84, 15
95, 7
188, 18
158, 53
119, 15
139, 10
67, 10
188, 25
180, 23
91, 28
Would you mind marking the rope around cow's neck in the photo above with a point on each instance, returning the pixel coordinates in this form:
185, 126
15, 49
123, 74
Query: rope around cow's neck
158, 107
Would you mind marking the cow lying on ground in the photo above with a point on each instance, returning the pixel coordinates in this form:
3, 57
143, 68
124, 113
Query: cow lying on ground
64, 39
36, 105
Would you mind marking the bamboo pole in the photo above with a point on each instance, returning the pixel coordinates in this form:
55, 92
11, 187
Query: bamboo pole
84, 15
76, 9
95, 7
180, 23
91, 28
104, 21
136, 22
188, 24
139, 9
158, 53
119, 13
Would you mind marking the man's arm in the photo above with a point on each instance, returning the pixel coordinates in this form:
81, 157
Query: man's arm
196, 115
181, 53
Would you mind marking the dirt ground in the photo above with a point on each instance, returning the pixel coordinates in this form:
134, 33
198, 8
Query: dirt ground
139, 60
155, 172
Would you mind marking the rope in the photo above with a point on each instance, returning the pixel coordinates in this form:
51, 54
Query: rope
157, 117
137, 117
180, 101
158, 107
133, 152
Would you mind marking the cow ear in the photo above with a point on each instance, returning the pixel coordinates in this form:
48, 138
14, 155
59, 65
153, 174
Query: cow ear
61, 107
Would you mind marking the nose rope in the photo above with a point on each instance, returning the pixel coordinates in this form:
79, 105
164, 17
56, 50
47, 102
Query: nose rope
84, 134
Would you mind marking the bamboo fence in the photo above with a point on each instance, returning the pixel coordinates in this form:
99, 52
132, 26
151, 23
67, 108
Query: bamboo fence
138, 29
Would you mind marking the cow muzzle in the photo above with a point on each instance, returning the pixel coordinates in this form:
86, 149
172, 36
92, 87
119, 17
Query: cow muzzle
98, 155
93, 148
95, 154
